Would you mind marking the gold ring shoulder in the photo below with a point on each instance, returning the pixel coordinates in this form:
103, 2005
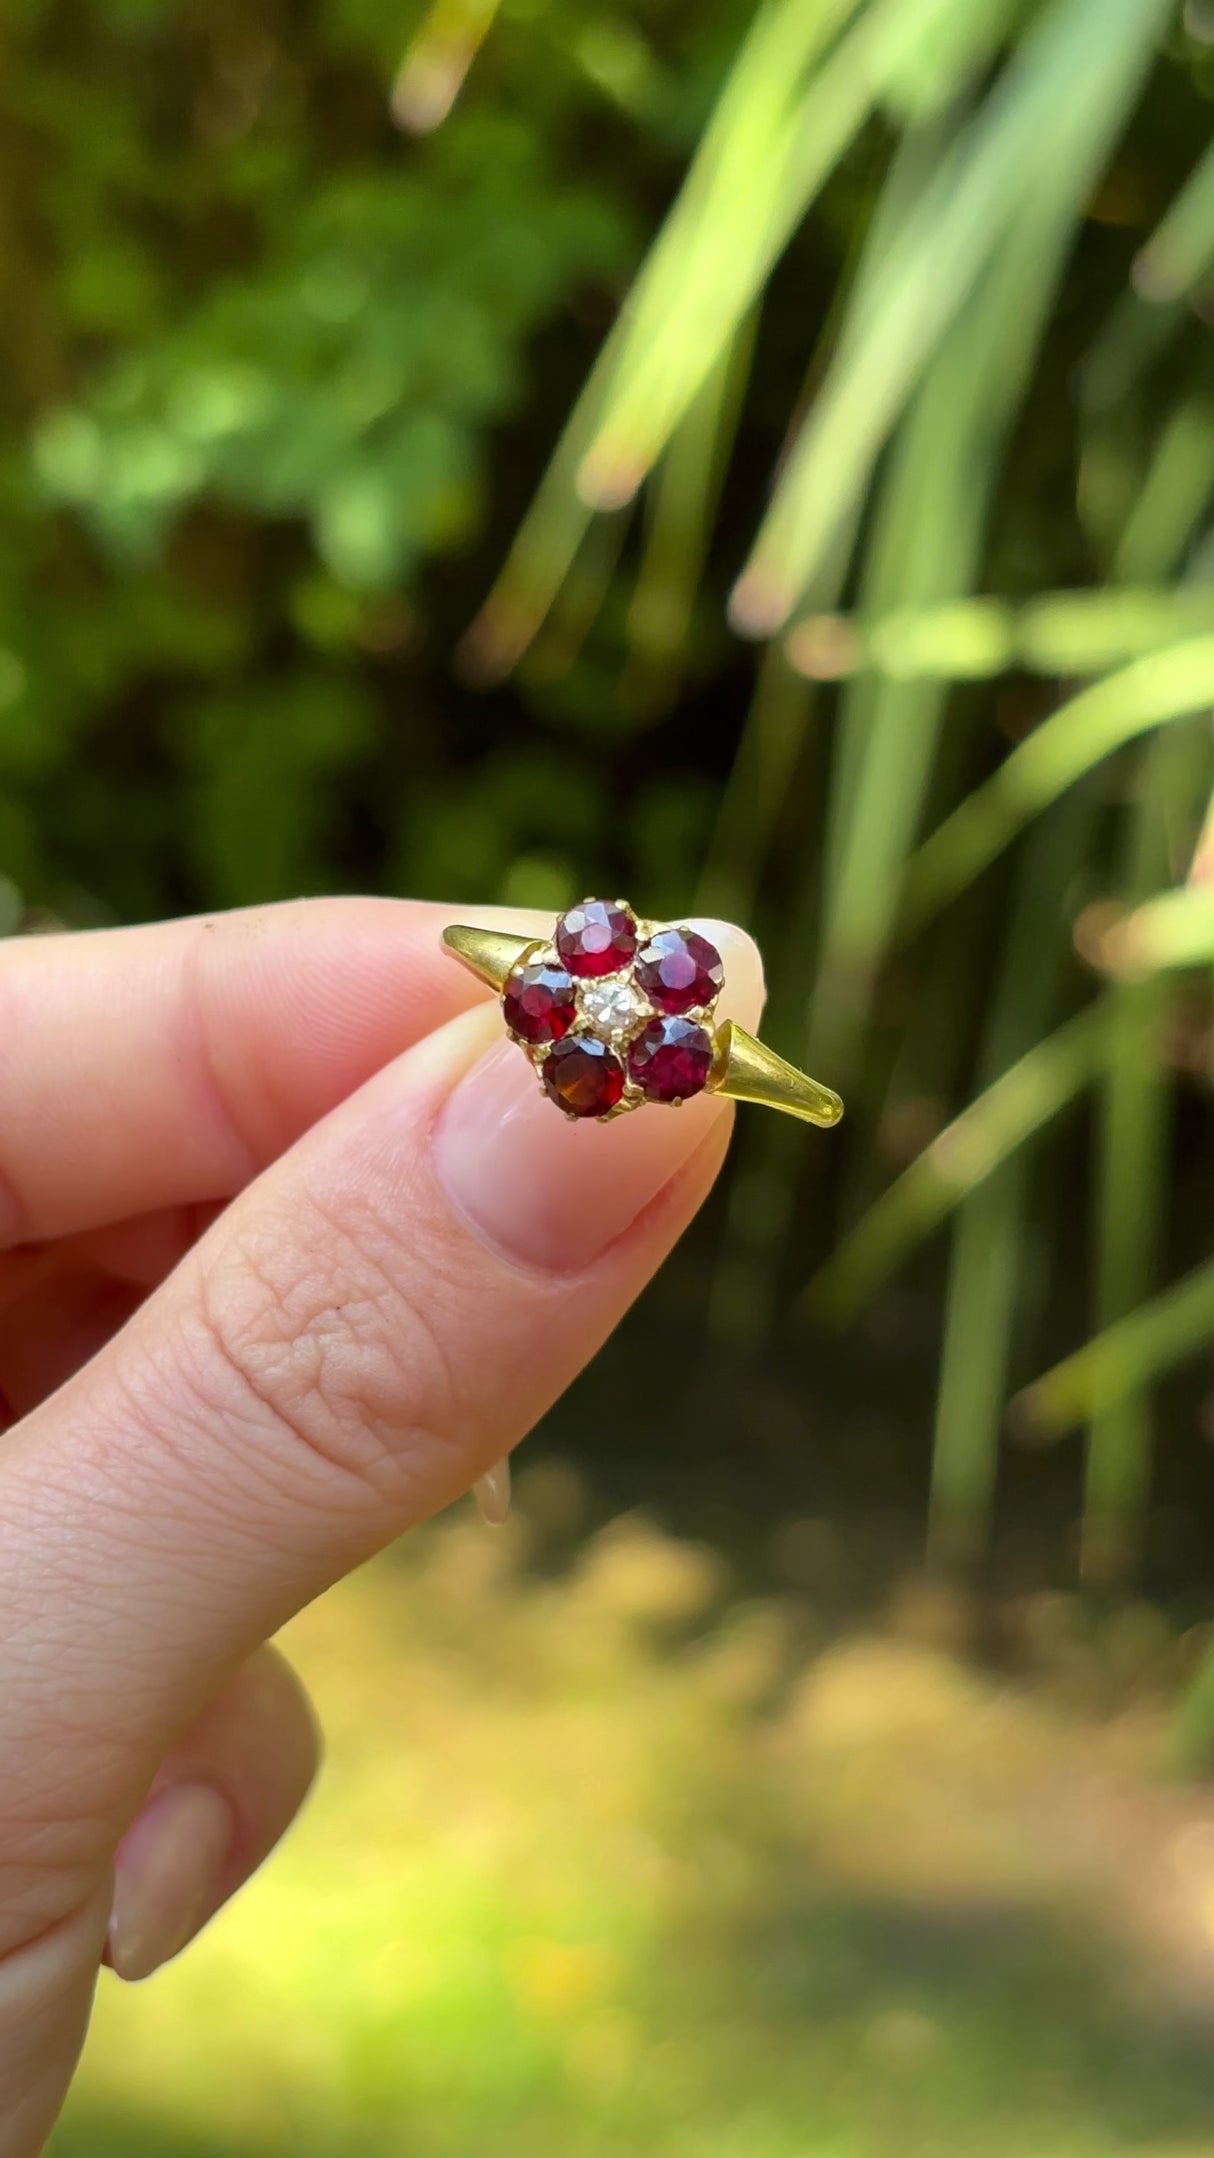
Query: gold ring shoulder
743, 1069
489, 953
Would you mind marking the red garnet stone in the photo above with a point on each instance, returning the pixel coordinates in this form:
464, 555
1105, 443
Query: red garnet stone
540, 1003
599, 937
583, 1076
670, 1059
679, 970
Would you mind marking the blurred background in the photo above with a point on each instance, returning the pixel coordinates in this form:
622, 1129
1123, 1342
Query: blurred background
761, 462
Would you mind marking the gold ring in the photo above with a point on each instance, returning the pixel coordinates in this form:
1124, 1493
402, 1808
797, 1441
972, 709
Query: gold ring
614, 1012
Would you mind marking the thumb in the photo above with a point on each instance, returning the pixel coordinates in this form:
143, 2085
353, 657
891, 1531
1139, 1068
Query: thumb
230, 1788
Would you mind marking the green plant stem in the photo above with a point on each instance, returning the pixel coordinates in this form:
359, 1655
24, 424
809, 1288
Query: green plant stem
986, 1272
1174, 1325
1150, 692
1011, 1111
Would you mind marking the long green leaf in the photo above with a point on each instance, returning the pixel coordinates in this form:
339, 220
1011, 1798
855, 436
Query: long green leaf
1135, 1098
986, 1284
1189, 1747
438, 58
773, 731
968, 640
976, 196
1011, 1111
742, 138
727, 233
1133, 338
1175, 1325
1175, 929
925, 542
1176, 493
681, 506
1181, 248
769, 748
1149, 693
1131, 1144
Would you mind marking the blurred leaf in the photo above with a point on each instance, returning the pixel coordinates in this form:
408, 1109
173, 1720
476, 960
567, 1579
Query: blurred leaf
1010, 1111
682, 505
963, 640
987, 1268
973, 198
1181, 249
1177, 1324
771, 146
1176, 929
925, 542
769, 746
1085, 632
1134, 337
1174, 498
1133, 1131
1163, 686
437, 61
739, 159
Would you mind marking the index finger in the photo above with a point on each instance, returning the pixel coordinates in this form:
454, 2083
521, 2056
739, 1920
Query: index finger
166, 1065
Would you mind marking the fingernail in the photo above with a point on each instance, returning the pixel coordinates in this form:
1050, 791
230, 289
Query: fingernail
492, 1494
554, 1194
168, 1876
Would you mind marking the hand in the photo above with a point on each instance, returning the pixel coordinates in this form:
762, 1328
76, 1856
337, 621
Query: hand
292, 1251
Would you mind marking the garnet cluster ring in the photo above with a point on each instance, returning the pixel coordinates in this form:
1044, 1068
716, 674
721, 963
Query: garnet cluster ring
614, 1012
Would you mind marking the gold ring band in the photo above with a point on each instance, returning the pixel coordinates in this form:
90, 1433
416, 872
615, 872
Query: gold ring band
615, 1011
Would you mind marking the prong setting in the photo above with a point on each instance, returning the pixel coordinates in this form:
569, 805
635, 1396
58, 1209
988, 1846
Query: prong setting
551, 1008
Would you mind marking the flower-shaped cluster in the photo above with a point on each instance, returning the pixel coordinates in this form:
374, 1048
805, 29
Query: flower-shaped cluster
615, 1011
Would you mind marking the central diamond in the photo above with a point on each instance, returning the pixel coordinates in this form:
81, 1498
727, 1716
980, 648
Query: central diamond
613, 1008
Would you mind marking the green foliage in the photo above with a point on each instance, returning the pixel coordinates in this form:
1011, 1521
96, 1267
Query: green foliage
261, 345
348, 383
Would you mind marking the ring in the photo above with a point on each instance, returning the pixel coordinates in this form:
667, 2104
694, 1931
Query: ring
614, 1011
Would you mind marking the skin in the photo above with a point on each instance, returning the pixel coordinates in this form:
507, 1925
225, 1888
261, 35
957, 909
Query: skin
291, 1252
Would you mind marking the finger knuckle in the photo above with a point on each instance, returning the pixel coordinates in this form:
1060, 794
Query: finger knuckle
324, 1338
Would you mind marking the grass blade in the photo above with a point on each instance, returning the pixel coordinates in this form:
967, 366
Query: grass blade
987, 1133
1077, 633
976, 195
1131, 1142
986, 1273
681, 506
773, 732
745, 126
984, 1279
1173, 930
1135, 335
926, 543
1177, 1324
1136, 1096
1177, 492
1181, 248
432, 72
1189, 1747
769, 748
1150, 692
969, 640
738, 212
